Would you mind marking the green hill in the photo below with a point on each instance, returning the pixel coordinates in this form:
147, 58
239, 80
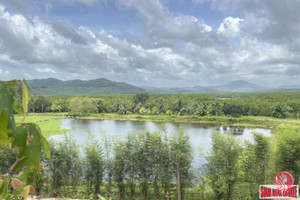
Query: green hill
53, 86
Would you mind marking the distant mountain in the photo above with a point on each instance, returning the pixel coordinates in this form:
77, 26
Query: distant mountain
53, 86
238, 86
290, 86
234, 86
199, 88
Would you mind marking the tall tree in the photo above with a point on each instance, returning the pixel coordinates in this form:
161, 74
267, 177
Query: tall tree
94, 168
141, 98
222, 165
180, 145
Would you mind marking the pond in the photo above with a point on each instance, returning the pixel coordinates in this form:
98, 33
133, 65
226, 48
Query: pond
199, 133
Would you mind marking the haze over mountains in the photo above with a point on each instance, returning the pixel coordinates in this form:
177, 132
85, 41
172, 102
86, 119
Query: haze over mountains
53, 86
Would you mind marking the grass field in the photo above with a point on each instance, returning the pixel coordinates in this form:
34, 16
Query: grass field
49, 126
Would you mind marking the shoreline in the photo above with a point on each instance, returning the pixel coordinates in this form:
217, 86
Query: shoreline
244, 121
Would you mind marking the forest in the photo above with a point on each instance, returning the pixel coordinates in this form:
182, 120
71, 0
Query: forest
279, 105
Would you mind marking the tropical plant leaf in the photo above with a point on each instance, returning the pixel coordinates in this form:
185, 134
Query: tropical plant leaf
4, 138
46, 147
4, 185
28, 141
6, 102
18, 108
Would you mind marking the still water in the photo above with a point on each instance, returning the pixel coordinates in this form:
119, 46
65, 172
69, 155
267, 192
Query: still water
199, 133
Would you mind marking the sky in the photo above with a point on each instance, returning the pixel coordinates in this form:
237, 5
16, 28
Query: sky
155, 43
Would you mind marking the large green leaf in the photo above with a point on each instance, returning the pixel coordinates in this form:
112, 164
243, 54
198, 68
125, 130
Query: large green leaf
4, 185
6, 102
18, 108
29, 143
4, 138
46, 147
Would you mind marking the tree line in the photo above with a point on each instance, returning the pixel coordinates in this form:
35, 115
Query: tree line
144, 166
249, 104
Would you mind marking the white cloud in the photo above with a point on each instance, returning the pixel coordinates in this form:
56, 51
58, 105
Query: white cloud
230, 27
173, 49
6, 72
86, 2
163, 26
33, 42
2, 9
46, 70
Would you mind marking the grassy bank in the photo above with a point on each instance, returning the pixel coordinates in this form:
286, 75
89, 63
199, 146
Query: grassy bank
49, 126
246, 121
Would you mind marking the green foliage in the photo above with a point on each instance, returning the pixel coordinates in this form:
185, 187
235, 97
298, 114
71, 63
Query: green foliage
215, 109
7, 158
141, 98
66, 168
119, 164
23, 142
235, 110
212, 104
281, 110
41, 105
181, 146
82, 105
288, 150
252, 166
222, 165
93, 167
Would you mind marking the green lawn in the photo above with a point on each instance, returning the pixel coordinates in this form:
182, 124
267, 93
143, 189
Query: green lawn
49, 126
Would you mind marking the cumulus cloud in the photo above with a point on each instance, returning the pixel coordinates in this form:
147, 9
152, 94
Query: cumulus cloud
34, 42
46, 70
230, 27
172, 49
163, 26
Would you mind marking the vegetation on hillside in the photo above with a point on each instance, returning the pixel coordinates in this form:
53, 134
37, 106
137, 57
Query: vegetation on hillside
279, 105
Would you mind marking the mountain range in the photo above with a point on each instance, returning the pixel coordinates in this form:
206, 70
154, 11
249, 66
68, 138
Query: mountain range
53, 86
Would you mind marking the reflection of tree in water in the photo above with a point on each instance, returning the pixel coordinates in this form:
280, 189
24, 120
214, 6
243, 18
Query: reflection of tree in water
237, 131
233, 130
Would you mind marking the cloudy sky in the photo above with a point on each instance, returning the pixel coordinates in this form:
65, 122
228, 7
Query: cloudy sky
152, 42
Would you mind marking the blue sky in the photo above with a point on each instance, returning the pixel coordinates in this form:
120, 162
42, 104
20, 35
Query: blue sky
159, 43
